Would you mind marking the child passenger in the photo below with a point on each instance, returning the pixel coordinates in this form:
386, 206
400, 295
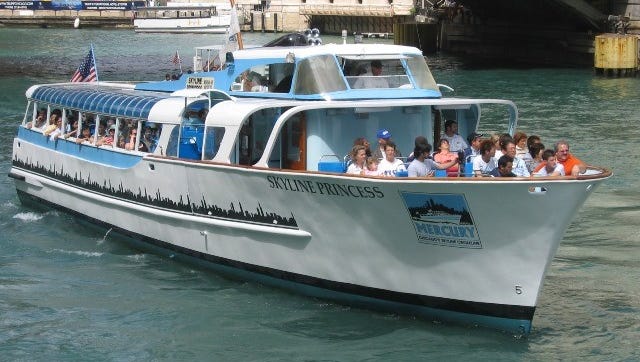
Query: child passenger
372, 167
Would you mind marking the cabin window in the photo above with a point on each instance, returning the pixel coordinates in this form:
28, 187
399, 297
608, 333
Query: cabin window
319, 74
150, 135
421, 73
254, 134
213, 138
274, 77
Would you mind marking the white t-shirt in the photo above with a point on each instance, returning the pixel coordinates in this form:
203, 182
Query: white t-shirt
456, 142
387, 168
484, 167
369, 80
354, 169
420, 169
543, 171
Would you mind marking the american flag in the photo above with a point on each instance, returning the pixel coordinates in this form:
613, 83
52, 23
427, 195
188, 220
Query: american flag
87, 70
176, 59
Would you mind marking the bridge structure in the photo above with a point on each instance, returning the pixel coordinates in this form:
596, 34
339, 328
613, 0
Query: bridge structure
554, 32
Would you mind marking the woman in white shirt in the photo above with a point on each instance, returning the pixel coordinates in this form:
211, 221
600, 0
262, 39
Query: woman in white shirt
358, 157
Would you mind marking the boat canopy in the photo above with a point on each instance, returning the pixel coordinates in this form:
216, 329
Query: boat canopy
120, 101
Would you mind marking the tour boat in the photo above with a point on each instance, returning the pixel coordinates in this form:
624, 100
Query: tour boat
243, 169
182, 19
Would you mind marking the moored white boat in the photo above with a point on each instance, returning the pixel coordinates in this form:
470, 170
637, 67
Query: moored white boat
182, 19
238, 177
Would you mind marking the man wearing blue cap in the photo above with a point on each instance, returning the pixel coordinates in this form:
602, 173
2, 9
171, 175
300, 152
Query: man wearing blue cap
383, 136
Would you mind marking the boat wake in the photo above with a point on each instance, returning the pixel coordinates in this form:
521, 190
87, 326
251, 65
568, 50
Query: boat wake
89, 254
28, 216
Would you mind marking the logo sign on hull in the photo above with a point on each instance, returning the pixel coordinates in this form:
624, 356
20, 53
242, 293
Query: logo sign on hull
442, 219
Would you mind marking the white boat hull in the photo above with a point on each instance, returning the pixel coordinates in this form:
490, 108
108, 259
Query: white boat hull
215, 24
313, 232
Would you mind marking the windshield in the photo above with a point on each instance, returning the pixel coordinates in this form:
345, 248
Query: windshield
421, 73
318, 75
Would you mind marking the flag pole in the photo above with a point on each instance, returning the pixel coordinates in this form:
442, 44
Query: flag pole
95, 65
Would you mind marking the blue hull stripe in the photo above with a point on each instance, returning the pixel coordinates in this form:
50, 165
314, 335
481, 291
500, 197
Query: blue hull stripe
511, 318
103, 156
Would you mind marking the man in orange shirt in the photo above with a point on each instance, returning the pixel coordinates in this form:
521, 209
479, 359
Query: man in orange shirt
572, 165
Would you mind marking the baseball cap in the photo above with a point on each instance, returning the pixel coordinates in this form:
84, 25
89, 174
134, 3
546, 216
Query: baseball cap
473, 136
383, 133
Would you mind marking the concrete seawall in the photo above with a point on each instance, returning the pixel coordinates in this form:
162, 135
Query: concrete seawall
65, 18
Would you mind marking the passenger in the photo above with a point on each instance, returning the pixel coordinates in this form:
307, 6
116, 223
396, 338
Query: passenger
519, 167
358, 158
384, 136
445, 156
372, 166
73, 130
52, 124
419, 140
486, 162
532, 140
505, 163
422, 165
372, 79
522, 150
40, 119
54, 132
504, 139
390, 164
131, 140
101, 132
364, 142
475, 139
108, 139
456, 142
535, 156
572, 165
495, 138
85, 135
551, 165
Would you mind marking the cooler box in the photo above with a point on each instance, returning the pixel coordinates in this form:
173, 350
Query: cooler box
330, 163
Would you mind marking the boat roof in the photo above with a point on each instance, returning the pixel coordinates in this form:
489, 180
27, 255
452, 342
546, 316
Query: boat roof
248, 59
363, 51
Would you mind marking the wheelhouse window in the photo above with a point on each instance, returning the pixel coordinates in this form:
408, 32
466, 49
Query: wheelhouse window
274, 77
319, 74
421, 73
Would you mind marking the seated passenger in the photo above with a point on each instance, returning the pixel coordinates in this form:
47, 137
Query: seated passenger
54, 132
456, 142
364, 142
485, 162
52, 124
445, 156
85, 135
40, 119
108, 139
535, 156
522, 150
384, 136
519, 167
475, 139
423, 166
372, 167
505, 163
551, 165
372, 79
358, 158
390, 164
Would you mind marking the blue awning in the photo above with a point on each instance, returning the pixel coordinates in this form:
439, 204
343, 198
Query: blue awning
113, 101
